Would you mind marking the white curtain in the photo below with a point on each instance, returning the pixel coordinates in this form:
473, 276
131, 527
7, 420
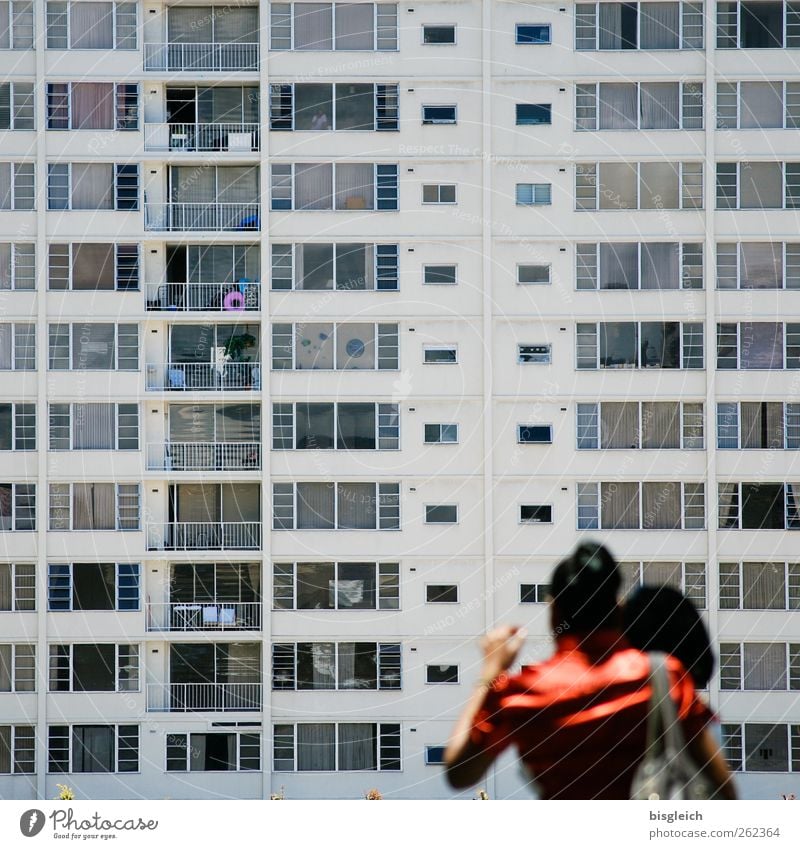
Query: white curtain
6, 672
357, 506
617, 183
236, 25
313, 26
660, 265
660, 26
764, 666
92, 186
619, 265
93, 426
620, 504
91, 25
190, 24
354, 186
761, 265
93, 266
619, 424
660, 106
617, 107
610, 26
193, 184
761, 105
354, 26
763, 586
659, 185
662, 574
661, 505
93, 507
198, 503
6, 185
355, 346
316, 746
92, 106
661, 424
760, 185
315, 505
357, 745
241, 502
313, 185
237, 184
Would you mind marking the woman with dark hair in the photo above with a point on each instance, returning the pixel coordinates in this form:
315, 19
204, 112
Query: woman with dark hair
579, 719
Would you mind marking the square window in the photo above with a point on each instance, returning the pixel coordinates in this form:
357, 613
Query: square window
441, 673
440, 354
441, 433
533, 34
441, 593
533, 113
533, 593
439, 275
439, 193
434, 755
531, 274
536, 514
534, 434
534, 354
438, 114
441, 514
438, 34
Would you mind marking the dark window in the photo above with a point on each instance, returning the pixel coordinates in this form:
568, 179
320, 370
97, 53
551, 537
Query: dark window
536, 513
533, 593
314, 426
533, 113
441, 514
438, 114
355, 427
535, 433
762, 506
93, 586
93, 748
533, 34
761, 24
444, 673
439, 274
93, 667
434, 755
438, 34
441, 593
766, 747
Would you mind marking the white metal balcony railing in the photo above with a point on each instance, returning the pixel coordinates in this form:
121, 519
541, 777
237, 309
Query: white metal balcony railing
196, 697
212, 297
233, 137
204, 377
199, 536
202, 216
204, 616
203, 456
200, 56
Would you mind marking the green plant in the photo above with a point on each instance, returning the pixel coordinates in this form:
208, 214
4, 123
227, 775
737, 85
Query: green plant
236, 346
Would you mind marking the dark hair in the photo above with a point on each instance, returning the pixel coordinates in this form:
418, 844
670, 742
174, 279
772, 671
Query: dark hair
584, 588
663, 619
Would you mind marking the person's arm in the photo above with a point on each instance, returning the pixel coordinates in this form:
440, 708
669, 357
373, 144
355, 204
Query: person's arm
706, 754
466, 761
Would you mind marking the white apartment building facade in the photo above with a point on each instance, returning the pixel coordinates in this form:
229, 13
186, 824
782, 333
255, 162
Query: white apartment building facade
328, 328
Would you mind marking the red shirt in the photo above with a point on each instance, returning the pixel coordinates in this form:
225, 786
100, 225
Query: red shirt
579, 719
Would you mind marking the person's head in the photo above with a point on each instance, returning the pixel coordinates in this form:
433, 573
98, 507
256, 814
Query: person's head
584, 589
663, 619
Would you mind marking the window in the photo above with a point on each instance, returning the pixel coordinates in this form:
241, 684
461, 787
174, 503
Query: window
342, 266
17, 186
758, 104
639, 26
534, 354
441, 514
336, 506
758, 265
93, 586
352, 187
759, 506
440, 434
534, 593
334, 106
532, 34
652, 505
335, 346
336, 586
438, 34
17, 347
94, 347
759, 666
17, 587
92, 106
93, 748
214, 676
336, 666
341, 426
434, 755
533, 194
639, 106
78, 25
689, 578
441, 593
639, 185
438, 115
16, 28
16, 105
17, 748
440, 354
17, 427
94, 668
336, 746
760, 25
757, 585
17, 668
441, 673
770, 425
93, 266
17, 266
639, 265
95, 185
646, 344
214, 752
94, 427
530, 434
333, 26
536, 514
533, 113
94, 507
533, 274
439, 193
640, 424
17, 507
758, 345
439, 275
761, 747
758, 185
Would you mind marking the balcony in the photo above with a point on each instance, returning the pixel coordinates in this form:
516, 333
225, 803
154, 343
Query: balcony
200, 536
203, 297
204, 616
204, 456
180, 698
202, 216
203, 377
201, 57
233, 137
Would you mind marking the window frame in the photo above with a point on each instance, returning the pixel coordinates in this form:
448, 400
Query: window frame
439, 187
60, 581
549, 28
426, 349
440, 441
383, 568
118, 737
434, 265
437, 25
429, 507
550, 521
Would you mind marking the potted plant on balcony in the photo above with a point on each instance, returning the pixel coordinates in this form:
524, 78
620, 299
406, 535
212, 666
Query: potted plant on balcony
235, 351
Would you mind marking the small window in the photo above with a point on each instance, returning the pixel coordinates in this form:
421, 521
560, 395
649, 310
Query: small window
441, 673
534, 194
532, 274
441, 514
534, 434
533, 34
536, 514
440, 354
533, 593
438, 114
439, 193
439, 275
536, 354
441, 593
438, 34
533, 113
436, 434
434, 755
